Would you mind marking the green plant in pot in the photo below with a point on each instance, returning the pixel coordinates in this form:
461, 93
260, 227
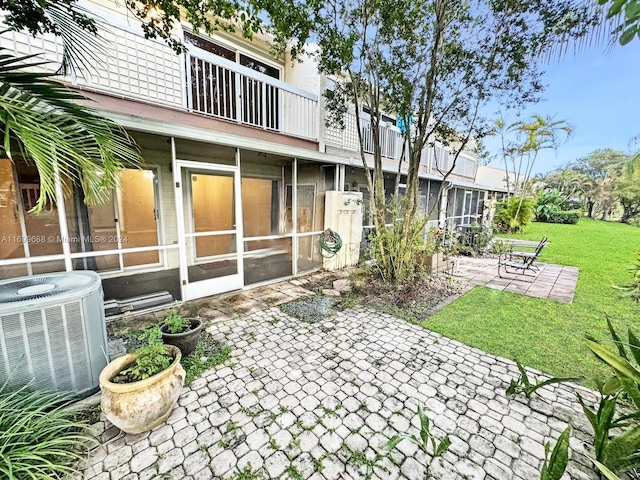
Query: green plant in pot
140, 389
183, 333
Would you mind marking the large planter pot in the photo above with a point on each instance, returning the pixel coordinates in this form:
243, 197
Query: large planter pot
434, 263
140, 406
186, 341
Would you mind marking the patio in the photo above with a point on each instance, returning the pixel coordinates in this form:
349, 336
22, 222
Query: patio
553, 282
317, 401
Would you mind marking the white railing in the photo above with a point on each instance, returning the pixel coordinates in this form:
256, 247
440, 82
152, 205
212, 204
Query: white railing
222, 88
442, 161
347, 138
128, 65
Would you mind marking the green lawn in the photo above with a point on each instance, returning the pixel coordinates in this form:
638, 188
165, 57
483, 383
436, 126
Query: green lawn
547, 335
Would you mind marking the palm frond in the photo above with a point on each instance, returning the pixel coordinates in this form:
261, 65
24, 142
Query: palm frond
83, 48
58, 135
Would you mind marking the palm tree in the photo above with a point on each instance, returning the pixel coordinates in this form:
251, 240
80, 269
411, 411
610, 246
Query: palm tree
42, 123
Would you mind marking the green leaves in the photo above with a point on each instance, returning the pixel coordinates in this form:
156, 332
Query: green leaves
622, 452
617, 362
427, 442
554, 466
58, 135
608, 474
149, 360
175, 323
524, 385
632, 291
41, 435
630, 25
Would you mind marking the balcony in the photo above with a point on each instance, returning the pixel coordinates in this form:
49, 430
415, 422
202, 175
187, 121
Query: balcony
225, 89
347, 138
437, 160
440, 161
133, 67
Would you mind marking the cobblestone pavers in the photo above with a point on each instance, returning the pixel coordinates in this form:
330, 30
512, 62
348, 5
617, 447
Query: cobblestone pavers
317, 401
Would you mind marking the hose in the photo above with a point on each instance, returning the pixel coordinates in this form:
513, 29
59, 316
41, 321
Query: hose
330, 242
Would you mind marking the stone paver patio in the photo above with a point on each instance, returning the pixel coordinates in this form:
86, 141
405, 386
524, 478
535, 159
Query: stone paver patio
317, 401
553, 282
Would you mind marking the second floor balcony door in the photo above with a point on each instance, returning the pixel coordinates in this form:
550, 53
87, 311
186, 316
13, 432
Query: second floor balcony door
260, 102
218, 89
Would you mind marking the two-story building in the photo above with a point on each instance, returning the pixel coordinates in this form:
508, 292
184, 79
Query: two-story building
237, 160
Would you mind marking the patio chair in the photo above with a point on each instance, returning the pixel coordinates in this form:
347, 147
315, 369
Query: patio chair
520, 260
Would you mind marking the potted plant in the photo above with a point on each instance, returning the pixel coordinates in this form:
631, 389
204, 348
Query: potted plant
140, 389
183, 333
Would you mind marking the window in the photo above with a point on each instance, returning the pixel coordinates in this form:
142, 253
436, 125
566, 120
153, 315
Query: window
259, 66
128, 220
210, 47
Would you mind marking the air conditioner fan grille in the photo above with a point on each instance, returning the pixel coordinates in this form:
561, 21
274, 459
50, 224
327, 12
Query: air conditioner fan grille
17, 291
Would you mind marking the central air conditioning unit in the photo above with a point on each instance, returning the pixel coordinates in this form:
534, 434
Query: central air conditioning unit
52, 332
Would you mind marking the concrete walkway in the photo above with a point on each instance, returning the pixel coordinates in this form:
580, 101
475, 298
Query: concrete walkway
317, 401
553, 282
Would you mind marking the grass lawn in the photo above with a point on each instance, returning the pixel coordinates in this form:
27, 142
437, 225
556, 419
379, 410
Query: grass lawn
544, 334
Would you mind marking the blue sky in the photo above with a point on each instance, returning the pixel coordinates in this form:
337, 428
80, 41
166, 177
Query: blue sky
597, 93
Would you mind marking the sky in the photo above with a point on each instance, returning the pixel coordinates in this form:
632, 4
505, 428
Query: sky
598, 93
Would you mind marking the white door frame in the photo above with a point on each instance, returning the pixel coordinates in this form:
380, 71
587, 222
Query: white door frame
203, 288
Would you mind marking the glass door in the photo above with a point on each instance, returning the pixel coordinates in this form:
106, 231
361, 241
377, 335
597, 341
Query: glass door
466, 210
210, 262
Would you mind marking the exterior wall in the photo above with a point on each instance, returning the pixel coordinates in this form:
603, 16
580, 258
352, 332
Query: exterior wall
494, 178
303, 72
123, 63
144, 85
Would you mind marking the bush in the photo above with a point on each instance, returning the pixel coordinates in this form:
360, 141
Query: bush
567, 218
41, 437
632, 290
548, 204
514, 214
395, 246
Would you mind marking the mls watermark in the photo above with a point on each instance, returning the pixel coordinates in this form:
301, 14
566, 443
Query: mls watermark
61, 239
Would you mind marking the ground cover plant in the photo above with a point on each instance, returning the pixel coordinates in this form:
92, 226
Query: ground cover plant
40, 436
544, 334
311, 309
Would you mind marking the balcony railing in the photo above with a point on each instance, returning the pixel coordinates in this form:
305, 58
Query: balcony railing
438, 159
226, 89
131, 66
441, 161
347, 138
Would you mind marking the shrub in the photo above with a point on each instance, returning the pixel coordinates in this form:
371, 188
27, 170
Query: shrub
514, 214
175, 323
632, 290
395, 247
564, 217
548, 204
41, 438
475, 241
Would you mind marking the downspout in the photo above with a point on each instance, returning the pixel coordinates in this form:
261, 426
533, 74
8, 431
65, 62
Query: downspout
442, 215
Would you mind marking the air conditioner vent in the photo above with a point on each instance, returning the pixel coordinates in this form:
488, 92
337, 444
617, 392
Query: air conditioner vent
52, 332
32, 288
